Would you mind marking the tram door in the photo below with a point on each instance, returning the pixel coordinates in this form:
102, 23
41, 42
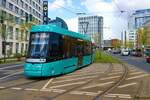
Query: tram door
80, 55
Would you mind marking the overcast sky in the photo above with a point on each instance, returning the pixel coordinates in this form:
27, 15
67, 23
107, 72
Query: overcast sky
114, 21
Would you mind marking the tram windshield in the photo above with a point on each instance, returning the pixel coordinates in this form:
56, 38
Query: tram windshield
38, 46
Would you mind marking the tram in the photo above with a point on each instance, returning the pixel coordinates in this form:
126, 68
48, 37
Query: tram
54, 51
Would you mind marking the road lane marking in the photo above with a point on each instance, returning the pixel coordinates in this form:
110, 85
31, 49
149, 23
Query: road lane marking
15, 88
80, 75
110, 96
75, 79
125, 97
115, 73
117, 70
118, 95
133, 70
49, 81
140, 76
10, 75
1, 87
97, 85
67, 84
45, 90
125, 85
10, 66
58, 90
84, 93
109, 77
28, 89
84, 73
134, 73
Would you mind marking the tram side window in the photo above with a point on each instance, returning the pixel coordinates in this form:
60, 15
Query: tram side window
87, 49
55, 46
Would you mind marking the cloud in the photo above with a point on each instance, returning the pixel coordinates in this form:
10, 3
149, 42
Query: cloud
58, 4
133, 4
72, 24
97, 6
55, 5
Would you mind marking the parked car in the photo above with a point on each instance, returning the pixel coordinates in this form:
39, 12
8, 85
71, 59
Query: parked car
138, 53
147, 55
133, 52
124, 52
116, 51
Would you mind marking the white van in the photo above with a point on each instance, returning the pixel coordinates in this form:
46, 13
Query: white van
124, 52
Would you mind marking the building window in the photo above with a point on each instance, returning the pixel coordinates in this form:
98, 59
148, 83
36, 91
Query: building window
17, 33
26, 6
17, 1
17, 20
36, 6
33, 4
17, 47
11, 6
30, 1
30, 9
21, 12
10, 32
11, 18
4, 3
21, 2
22, 47
16, 10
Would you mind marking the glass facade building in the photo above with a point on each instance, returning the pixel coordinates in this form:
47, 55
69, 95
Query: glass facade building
137, 20
13, 14
93, 27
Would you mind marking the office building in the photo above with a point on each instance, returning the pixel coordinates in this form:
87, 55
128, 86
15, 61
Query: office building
93, 27
137, 20
13, 15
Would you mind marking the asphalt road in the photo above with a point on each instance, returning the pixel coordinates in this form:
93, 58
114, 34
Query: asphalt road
139, 62
83, 84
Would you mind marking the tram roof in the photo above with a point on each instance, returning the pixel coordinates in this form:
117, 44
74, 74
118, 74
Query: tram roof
53, 28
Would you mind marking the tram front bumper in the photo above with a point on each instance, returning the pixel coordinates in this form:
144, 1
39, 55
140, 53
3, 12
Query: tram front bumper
33, 70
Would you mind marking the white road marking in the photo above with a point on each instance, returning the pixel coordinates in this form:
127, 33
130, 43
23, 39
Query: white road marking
84, 93
97, 85
125, 97
110, 96
125, 85
10, 75
133, 70
44, 87
119, 95
75, 79
109, 77
134, 73
45, 90
11, 66
85, 74
76, 83
1, 87
114, 73
28, 89
58, 90
15, 88
116, 70
77, 73
140, 76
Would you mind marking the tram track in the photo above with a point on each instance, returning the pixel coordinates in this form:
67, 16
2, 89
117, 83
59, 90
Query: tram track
115, 85
137, 94
86, 83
